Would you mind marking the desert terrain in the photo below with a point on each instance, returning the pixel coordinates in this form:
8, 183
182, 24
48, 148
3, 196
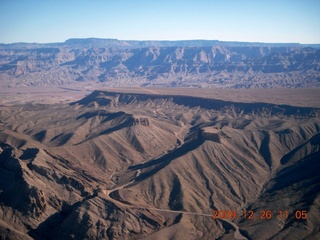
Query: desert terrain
84, 161
190, 63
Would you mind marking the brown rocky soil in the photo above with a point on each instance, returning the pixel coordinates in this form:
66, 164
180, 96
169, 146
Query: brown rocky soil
137, 165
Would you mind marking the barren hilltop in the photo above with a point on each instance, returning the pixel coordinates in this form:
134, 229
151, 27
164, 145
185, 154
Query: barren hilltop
187, 148
128, 165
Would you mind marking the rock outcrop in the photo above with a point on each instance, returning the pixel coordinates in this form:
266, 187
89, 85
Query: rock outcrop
211, 134
142, 121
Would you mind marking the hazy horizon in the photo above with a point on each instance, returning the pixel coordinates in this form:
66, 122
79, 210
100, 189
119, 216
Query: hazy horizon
169, 40
240, 21
164, 40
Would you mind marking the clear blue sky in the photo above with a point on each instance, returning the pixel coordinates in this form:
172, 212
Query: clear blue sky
226, 20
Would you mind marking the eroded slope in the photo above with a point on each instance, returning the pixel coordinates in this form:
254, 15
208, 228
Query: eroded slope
133, 166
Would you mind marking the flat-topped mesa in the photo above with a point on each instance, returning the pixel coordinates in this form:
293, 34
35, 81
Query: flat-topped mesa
211, 134
141, 121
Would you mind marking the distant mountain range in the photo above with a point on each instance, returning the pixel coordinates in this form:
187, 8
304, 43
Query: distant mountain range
187, 63
115, 43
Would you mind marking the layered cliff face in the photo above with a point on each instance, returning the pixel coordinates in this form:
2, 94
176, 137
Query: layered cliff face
123, 64
146, 166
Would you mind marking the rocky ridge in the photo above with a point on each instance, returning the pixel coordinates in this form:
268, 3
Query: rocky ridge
87, 170
158, 63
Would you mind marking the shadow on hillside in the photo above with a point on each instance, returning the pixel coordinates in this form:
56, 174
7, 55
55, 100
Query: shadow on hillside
151, 167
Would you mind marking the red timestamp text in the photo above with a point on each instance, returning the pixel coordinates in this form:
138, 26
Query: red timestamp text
262, 214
